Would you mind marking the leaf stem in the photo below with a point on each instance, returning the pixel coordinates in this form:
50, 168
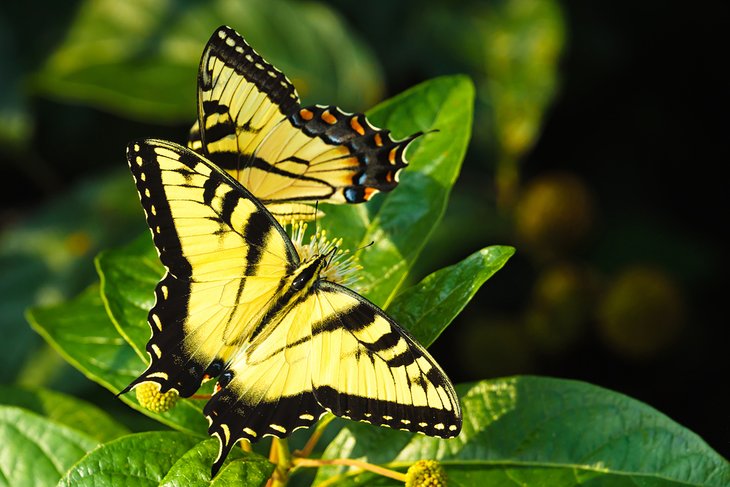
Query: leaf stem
280, 455
316, 435
385, 472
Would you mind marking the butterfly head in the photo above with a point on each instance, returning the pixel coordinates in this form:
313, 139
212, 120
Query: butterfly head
309, 272
339, 265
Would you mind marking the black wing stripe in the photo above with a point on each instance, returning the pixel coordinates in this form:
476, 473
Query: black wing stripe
148, 179
233, 419
256, 69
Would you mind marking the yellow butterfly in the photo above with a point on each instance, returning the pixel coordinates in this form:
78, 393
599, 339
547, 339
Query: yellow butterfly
286, 344
251, 124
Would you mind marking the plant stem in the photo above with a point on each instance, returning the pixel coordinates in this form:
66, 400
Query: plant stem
385, 472
281, 456
316, 435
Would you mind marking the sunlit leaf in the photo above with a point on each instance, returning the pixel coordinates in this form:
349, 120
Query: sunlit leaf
128, 275
399, 223
139, 459
81, 331
541, 431
65, 410
427, 308
193, 468
36, 451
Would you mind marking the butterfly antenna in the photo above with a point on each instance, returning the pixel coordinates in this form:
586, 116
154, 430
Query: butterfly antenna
331, 254
316, 212
365, 246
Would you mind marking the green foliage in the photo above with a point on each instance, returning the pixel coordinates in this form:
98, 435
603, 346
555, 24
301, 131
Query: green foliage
138, 60
400, 224
126, 461
65, 410
35, 450
510, 426
82, 332
427, 308
541, 431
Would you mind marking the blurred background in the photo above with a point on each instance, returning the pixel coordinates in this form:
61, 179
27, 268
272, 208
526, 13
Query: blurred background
597, 147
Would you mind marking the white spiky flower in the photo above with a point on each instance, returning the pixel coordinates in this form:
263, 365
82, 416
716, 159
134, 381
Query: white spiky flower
342, 267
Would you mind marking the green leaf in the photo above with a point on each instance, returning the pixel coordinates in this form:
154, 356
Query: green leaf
240, 469
427, 308
139, 459
128, 276
400, 222
82, 333
36, 451
141, 59
66, 410
542, 431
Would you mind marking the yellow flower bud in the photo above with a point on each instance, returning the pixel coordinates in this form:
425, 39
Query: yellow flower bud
150, 397
426, 473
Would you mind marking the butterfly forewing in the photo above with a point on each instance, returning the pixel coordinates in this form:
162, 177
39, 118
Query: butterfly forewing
250, 123
225, 259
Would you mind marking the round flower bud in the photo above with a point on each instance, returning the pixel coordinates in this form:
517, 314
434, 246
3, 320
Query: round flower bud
426, 473
150, 397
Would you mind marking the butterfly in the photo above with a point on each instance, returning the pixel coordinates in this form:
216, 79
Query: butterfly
251, 124
285, 344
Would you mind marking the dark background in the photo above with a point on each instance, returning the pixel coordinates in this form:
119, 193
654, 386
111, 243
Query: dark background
637, 123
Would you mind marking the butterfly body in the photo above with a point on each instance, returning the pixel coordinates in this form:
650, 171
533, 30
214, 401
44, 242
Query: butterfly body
238, 303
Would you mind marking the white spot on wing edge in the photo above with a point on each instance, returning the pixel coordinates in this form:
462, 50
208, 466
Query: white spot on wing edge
156, 320
278, 428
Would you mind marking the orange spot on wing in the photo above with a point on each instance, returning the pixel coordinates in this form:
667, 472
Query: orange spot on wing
306, 114
328, 117
368, 192
389, 177
392, 154
378, 140
355, 124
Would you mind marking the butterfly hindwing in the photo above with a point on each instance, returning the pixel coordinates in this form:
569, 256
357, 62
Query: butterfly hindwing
250, 123
333, 351
270, 389
383, 376
224, 254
